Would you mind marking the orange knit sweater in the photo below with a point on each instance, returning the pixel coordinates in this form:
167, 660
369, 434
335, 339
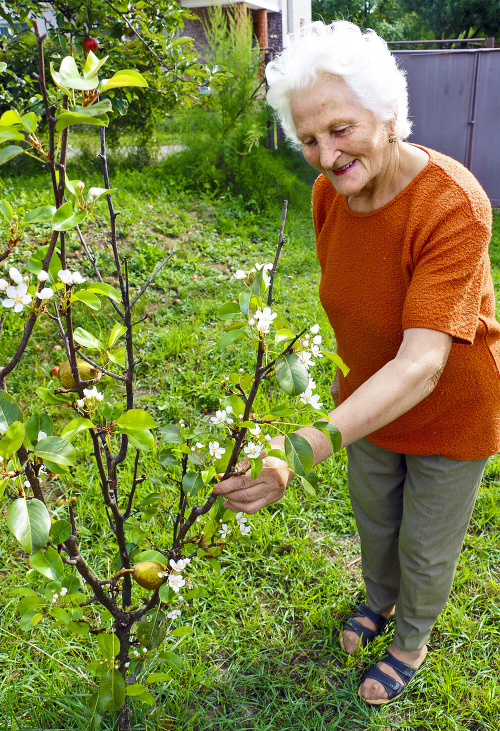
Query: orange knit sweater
419, 261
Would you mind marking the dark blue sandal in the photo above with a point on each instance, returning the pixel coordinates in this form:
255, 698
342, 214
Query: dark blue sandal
393, 688
365, 634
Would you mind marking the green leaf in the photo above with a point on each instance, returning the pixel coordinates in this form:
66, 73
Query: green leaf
158, 678
9, 152
244, 300
192, 483
79, 628
331, 431
279, 453
6, 210
35, 262
146, 697
338, 362
309, 483
117, 356
299, 454
9, 133
139, 438
230, 337
49, 397
37, 423
283, 334
57, 450
60, 531
109, 645
152, 630
12, 440
3, 66
135, 689
89, 299
185, 631
112, 691
70, 76
86, 339
228, 311
100, 109
282, 410
29, 521
128, 77
48, 563
292, 374
29, 121
95, 194
64, 219
9, 118
106, 289
137, 419
60, 614
256, 467
75, 427
151, 555
116, 333
92, 66
9, 411
174, 661
171, 434
39, 215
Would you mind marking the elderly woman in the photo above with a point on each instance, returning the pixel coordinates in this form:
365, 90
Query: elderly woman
402, 237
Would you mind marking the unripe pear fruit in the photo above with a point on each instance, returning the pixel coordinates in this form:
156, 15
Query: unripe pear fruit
147, 574
87, 373
214, 551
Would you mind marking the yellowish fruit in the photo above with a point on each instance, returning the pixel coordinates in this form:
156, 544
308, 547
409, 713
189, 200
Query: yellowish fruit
147, 574
214, 551
87, 372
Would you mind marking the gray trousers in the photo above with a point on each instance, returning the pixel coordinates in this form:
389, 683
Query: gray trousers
412, 514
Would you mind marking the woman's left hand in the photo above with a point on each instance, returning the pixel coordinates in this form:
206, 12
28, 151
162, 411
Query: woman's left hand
242, 494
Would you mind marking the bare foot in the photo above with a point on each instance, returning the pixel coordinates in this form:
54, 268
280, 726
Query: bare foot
373, 690
350, 640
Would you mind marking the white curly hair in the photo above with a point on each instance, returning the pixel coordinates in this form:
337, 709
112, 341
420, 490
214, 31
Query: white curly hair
340, 49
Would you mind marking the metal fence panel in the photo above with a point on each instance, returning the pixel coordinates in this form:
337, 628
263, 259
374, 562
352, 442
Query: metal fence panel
455, 108
485, 146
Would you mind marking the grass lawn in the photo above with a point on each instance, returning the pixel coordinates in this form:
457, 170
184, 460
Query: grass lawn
265, 654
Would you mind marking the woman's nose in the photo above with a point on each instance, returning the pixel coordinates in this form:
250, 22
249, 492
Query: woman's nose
328, 154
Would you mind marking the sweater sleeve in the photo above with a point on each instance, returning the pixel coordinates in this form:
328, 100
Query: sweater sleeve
450, 268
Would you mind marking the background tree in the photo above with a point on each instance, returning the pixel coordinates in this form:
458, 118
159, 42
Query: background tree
457, 18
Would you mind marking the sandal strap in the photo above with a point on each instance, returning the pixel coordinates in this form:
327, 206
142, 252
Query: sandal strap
363, 610
406, 672
392, 686
364, 633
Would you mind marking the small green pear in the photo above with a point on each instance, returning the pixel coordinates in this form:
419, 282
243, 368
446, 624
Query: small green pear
148, 574
87, 373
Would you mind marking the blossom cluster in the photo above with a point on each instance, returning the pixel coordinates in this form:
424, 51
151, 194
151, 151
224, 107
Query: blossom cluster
175, 579
88, 395
266, 277
17, 295
263, 319
241, 520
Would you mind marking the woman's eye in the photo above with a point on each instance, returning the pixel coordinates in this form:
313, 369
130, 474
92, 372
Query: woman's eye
309, 143
341, 131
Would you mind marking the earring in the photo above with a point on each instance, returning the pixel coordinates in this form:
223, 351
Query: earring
392, 138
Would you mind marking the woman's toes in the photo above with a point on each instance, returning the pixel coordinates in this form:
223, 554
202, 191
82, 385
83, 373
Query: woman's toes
350, 642
372, 690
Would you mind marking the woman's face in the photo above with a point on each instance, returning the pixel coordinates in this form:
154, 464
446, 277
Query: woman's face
343, 140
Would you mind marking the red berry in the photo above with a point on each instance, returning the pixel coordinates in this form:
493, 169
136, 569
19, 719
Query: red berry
90, 44
55, 371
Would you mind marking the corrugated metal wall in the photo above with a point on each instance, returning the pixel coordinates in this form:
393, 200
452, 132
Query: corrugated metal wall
455, 108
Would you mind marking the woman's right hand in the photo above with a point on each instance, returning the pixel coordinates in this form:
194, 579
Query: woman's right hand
242, 494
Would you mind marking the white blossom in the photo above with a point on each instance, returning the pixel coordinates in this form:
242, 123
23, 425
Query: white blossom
317, 339
221, 417
252, 450
224, 530
174, 614
3, 285
41, 435
308, 397
93, 393
144, 649
306, 358
175, 581
80, 403
64, 591
315, 329
251, 322
161, 574
240, 274
55, 597
45, 294
245, 529
15, 275
199, 445
268, 437
305, 343
42, 276
216, 451
17, 297
265, 318
70, 278
179, 565
240, 518
27, 483
255, 431
127, 664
